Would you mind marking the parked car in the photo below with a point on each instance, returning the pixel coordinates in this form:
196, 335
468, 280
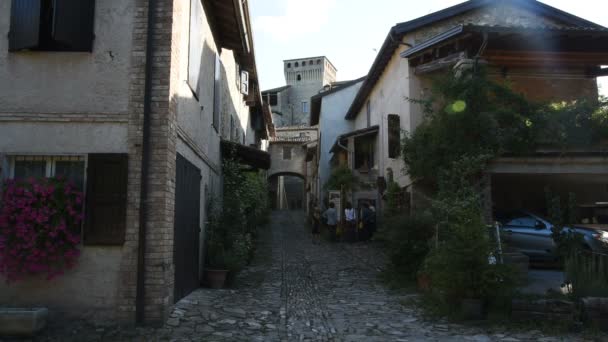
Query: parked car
531, 234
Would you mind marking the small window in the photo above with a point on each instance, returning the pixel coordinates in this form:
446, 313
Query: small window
304, 107
310, 62
296, 64
318, 61
394, 136
289, 65
232, 128
368, 112
273, 99
299, 77
304, 63
50, 25
286, 153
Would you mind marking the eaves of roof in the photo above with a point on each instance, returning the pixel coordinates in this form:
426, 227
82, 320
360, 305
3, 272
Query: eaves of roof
315, 101
396, 33
276, 90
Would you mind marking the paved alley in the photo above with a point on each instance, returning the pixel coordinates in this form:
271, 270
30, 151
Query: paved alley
297, 291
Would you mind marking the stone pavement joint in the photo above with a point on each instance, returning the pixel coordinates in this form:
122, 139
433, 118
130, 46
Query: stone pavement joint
298, 291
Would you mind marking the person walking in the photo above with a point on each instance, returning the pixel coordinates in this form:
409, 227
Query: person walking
351, 223
331, 215
367, 220
316, 224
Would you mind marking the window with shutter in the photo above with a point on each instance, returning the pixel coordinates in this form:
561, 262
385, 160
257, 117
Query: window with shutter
244, 82
52, 25
195, 48
217, 93
73, 24
394, 136
25, 24
106, 199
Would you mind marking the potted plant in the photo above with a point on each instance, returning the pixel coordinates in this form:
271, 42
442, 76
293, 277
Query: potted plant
216, 269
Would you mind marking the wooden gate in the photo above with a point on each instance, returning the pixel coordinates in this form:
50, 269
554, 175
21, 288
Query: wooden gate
186, 227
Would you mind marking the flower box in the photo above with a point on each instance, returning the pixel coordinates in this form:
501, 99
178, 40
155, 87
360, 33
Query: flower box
22, 322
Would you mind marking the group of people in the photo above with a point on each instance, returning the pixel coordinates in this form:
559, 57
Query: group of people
355, 227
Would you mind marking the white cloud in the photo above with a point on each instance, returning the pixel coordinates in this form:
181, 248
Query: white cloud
300, 17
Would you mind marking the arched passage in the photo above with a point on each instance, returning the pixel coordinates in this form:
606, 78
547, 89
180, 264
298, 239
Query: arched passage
287, 191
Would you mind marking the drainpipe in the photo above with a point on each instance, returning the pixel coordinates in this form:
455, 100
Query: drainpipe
145, 165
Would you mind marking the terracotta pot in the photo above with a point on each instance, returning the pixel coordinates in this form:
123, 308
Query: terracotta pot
216, 278
424, 282
471, 309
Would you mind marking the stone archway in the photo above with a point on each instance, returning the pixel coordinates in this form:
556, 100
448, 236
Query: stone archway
287, 191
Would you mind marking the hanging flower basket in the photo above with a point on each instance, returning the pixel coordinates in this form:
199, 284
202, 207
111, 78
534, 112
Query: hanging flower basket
39, 227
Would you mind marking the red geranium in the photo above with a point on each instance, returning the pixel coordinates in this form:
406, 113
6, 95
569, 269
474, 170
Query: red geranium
39, 227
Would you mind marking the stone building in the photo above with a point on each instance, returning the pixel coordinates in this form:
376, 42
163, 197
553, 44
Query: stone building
132, 99
545, 53
304, 77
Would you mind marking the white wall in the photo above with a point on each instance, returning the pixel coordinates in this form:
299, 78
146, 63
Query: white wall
389, 96
331, 125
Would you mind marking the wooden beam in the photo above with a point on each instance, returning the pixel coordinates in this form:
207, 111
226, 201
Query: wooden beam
542, 57
439, 64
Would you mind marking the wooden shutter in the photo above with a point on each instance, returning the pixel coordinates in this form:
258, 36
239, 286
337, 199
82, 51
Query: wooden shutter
217, 92
73, 23
25, 25
106, 203
244, 82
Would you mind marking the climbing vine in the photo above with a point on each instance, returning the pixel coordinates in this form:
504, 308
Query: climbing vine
470, 115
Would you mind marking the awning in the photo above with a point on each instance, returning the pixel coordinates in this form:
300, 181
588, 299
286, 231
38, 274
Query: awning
369, 131
247, 155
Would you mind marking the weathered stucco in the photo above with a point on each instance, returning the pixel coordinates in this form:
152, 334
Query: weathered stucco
60, 138
397, 83
331, 125
71, 82
89, 290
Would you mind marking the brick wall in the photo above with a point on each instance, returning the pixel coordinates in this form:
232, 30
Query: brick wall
159, 238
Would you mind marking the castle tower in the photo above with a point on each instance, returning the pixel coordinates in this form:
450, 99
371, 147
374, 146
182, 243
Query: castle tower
306, 76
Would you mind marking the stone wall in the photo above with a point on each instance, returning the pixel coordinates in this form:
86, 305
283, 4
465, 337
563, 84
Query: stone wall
56, 103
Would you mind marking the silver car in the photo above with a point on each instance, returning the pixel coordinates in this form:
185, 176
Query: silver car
532, 235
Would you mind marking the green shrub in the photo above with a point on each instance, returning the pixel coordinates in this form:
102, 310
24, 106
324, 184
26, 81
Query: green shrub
587, 274
407, 242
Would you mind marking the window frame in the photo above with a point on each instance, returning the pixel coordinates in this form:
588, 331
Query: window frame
217, 93
287, 156
305, 107
393, 150
51, 163
71, 27
368, 112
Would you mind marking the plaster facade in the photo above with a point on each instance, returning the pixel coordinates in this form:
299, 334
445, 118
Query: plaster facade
80, 103
331, 125
58, 103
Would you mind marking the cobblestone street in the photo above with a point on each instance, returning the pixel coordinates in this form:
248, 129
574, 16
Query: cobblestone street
298, 291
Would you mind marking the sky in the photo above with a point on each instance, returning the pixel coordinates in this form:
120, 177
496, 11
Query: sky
350, 32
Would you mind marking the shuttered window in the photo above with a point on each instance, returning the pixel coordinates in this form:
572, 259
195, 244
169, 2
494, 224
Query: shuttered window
195, 48
217, 92
106, 202
394, 136
25, 24
52, 25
